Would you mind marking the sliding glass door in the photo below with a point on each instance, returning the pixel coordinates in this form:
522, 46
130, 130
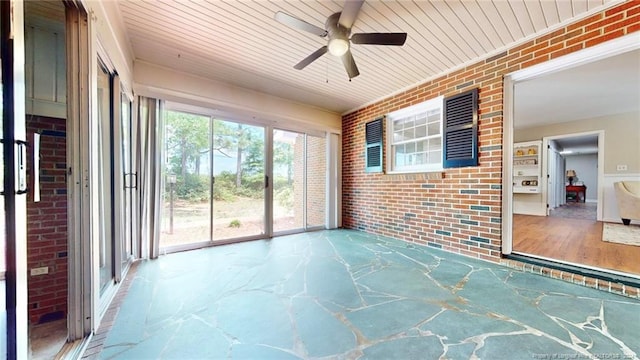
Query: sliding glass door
238, 164
113, 189
218, 175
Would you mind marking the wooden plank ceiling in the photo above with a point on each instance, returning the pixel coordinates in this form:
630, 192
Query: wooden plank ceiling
239, 42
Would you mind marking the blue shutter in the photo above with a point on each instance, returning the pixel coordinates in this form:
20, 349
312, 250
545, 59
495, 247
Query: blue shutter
373, 151
460, 124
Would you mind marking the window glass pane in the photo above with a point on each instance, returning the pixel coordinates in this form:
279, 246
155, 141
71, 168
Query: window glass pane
434, 129
410, 148
398, 124
434, 115
186, 209
399, 152
104, 168
409, 122
408, 159
407, 134
435, 144
397, 136
435, 157
239, 170
416, 137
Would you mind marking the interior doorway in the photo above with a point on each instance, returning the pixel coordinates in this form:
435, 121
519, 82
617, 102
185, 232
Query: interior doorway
583, 110
573, 170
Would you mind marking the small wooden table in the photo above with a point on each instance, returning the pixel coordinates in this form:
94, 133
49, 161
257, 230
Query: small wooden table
578, 190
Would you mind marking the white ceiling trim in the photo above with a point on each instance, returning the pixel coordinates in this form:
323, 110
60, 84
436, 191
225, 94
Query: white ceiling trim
494, 53
607, 49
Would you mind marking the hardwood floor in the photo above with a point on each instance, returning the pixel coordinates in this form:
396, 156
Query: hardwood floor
573, 240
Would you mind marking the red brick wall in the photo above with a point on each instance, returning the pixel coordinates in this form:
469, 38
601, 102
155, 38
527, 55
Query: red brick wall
47, 222
462, 211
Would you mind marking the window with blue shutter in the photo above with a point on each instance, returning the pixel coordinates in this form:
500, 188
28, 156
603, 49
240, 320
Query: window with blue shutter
460, 125
373, 151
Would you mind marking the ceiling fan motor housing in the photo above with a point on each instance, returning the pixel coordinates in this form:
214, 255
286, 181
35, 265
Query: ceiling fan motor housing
334, 30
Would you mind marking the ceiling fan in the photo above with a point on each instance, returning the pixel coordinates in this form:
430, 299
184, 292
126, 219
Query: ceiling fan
338, 31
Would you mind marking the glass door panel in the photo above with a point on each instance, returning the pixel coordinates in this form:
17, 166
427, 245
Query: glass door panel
104, 166
239, 173
186, 211
288, 180
126, 171
316, 175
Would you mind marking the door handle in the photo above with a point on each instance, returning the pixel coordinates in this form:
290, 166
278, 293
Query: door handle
21, 167
36, 167
131, 181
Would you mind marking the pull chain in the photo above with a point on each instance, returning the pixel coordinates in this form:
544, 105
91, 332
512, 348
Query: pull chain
327, 69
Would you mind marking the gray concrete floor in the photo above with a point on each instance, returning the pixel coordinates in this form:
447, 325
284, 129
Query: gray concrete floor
348, 295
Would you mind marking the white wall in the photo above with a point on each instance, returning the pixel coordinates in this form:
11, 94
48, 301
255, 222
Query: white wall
621, 140
586, 167
167, 84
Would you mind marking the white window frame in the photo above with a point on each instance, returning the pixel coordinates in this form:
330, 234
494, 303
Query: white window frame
423, 107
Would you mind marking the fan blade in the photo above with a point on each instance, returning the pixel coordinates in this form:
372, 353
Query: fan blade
350, 65
296, 23
350, 13
397, 39
311, 58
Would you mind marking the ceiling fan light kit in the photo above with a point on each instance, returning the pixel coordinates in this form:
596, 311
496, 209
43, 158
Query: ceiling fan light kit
338, 31
337, 47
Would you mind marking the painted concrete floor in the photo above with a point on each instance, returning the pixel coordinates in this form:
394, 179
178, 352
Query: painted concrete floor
348, 295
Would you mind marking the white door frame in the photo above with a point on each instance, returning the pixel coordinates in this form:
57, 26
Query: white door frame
552, 170
78, 106
607, 49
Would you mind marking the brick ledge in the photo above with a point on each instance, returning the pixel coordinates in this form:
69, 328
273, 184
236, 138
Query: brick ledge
568, 276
